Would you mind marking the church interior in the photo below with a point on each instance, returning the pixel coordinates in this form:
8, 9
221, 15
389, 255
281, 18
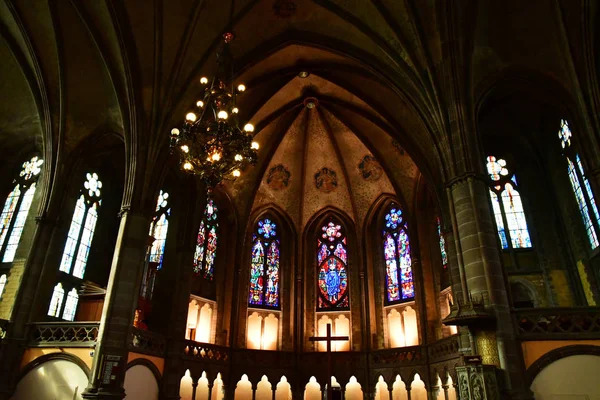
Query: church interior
299, 199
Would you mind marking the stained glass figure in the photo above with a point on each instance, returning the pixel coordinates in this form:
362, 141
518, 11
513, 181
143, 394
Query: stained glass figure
507, 206
332, 261
442, 244
81, 231
56, 301
17, 206
577, 176
264, 271
397, 256
158, 229
206, 242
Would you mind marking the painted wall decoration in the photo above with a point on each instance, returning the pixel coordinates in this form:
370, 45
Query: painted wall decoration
370, 168
278, 177
326, 180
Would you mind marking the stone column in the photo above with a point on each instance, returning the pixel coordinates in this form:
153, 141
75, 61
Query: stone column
482, 273
391, 390
13, 345
110, 358
194, 388
177, 322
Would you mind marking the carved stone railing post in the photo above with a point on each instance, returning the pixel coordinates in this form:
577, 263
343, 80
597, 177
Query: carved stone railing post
477, 382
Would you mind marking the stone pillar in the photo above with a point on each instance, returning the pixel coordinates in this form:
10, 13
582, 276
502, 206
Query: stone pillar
183, 276
210, 387
13, 345
391, 390
110, 358
194, 388
408, 392
477, 382
482, 273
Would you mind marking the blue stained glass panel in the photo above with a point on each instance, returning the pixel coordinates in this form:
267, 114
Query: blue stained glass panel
515, 217
86, 241
256, 274
199, 254
211, 251
333, 284
267, 228
499, 220
158, 230
7, 212
583, 207
17, 230
340, 252
73, 235
272, 293
323, 253
406, 276
391, 268
442, 244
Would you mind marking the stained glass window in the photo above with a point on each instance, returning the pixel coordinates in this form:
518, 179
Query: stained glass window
206, 242
398, 262
2, 284
16, 203
583, 193
56, 301
507, 206
158, 229
264, 266
332, 264
81, 231
442, 244
70, 305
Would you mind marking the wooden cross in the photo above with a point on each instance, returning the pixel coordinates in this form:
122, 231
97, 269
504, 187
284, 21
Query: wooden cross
329, 339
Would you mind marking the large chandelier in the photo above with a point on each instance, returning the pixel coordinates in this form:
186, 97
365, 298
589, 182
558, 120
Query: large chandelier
210, 143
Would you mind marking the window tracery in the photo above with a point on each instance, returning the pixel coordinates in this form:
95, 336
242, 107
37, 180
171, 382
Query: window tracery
398, 262
206, 241
507, 206
264, 266
16, 207
332, 264
583, 193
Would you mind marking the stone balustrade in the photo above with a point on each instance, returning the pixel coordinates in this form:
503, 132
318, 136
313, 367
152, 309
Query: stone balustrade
558, 323
63, 334
147, 342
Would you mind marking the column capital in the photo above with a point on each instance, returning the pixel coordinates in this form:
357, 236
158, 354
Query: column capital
464, 178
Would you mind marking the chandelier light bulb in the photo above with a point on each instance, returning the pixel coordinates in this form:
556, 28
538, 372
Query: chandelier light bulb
249, 128
238, 157
236, 173
187, 166
241, 88
200, 103
216, 156
175, 132
222, 114
185, 148
204, 80
191, 117
255, 145
235, 110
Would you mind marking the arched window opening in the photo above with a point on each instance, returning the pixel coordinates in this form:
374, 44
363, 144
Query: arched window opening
56, 302
83, 224
442, 244
507, 206
71, 305
158, 238
398, 262
18, 202
583, 193
264, 266
206, 242
332, 264
2, 284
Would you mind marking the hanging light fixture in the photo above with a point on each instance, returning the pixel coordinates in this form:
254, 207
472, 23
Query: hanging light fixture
210, 142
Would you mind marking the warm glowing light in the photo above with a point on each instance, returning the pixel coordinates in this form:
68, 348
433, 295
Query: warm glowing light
204, 80
235, 110
238, 157
200, 103
216, 156
241, 88
222, 114
249, 128
185, 149
190, 117
187, 166
236, 173
175, 132
255, 145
